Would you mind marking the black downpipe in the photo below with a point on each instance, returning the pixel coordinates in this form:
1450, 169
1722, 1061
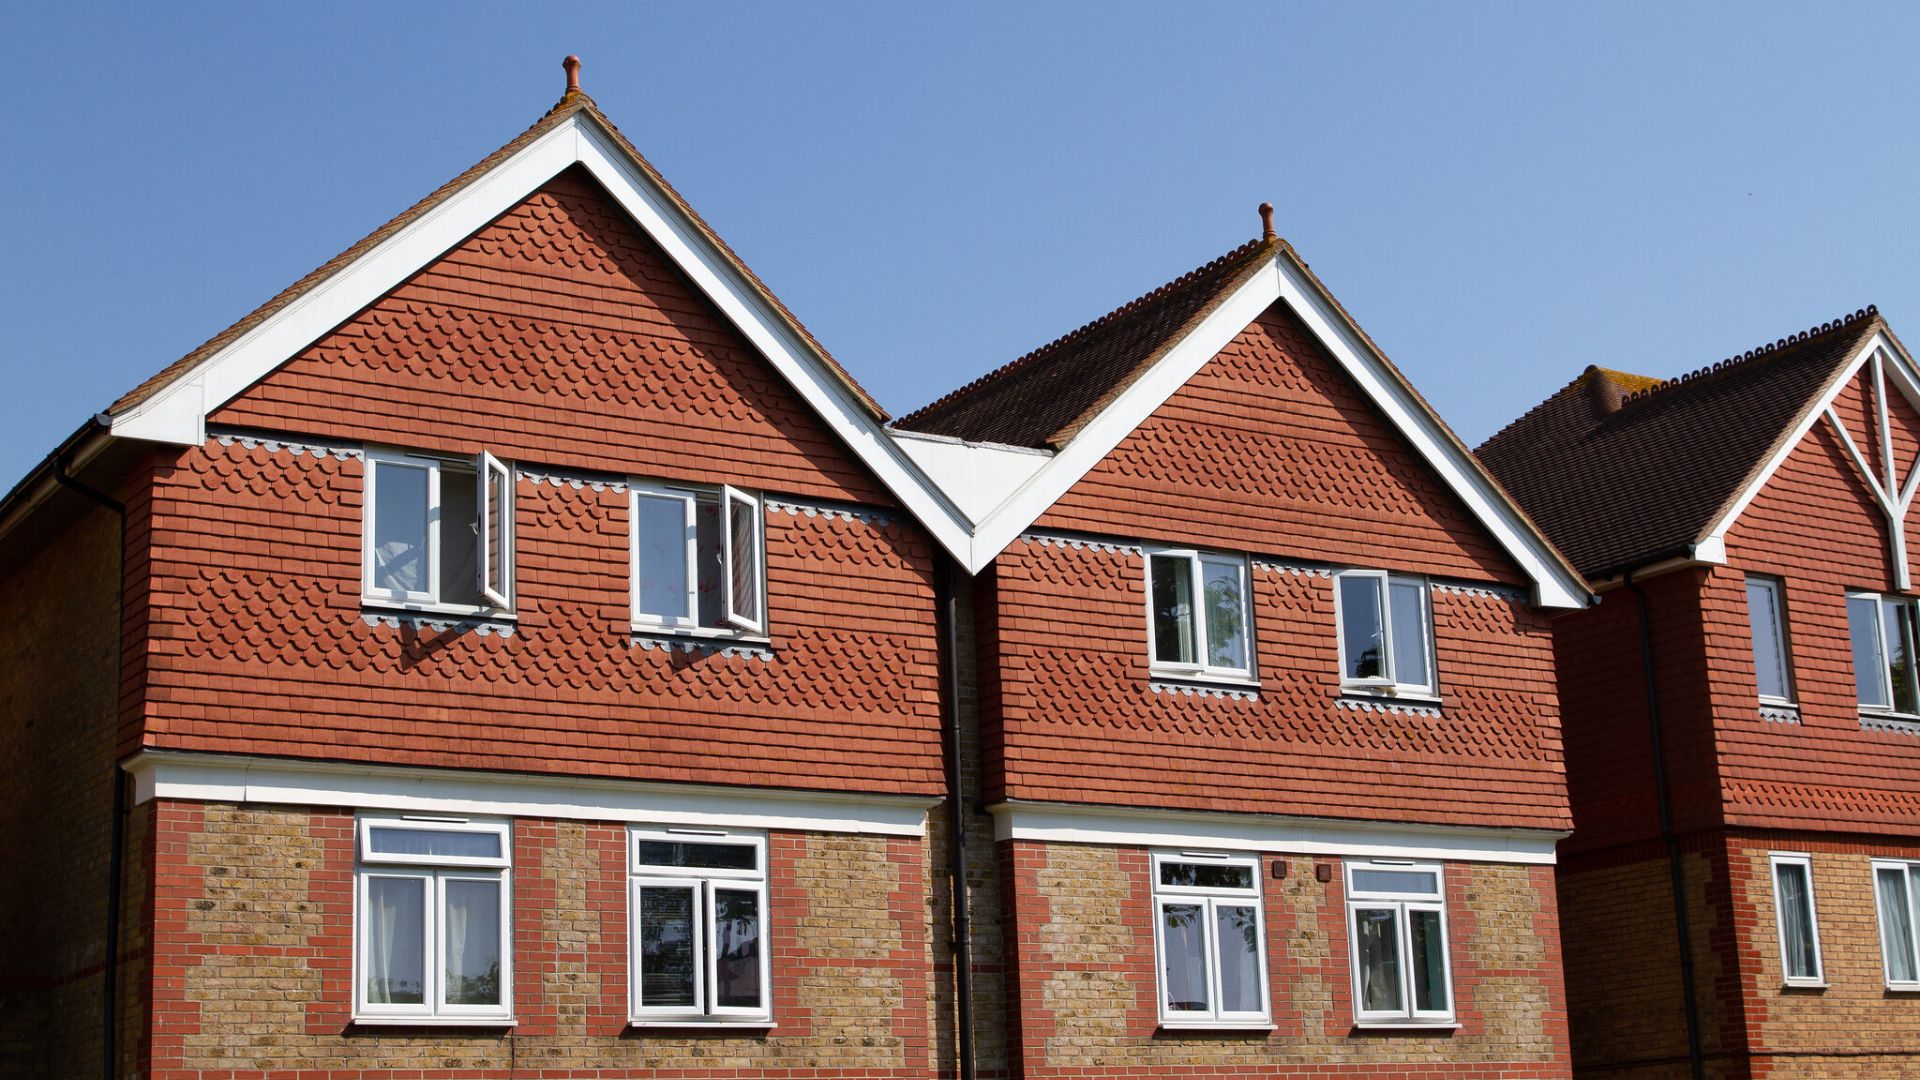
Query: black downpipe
1696, 1063
945, 589
116, 843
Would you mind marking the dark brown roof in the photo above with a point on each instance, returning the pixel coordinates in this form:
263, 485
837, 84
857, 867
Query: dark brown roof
1043, 398
573, 103
1623, 470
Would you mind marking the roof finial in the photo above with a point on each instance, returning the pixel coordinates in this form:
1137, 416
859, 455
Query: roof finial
572, 64
1266, 221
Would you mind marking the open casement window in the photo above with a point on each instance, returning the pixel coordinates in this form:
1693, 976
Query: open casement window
1397, 926
1884, 639
1896, 900
438, 532
698, 912
1795, 919
432, 921
699, 559
1198, 614
1767, 619
1210, 938
1384, 623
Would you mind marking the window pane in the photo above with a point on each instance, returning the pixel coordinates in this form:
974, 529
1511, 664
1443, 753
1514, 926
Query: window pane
1377, 931
499, 502
471, 928
1769, 654
1430, 990
1207, 875
399, 527
1409, 882
1226, 615
1869, 672
1408, 605
736, 948
667, 969
744, 543
1172, 609
395, 928
459, 536
706, 560
1900, 653
702, 856
660, 539
1360, 632
1796, 921
1184, 968
1237, 927
1896, 925
466, 845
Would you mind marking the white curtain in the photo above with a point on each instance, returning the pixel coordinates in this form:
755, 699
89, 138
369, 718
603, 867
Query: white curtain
456, 931
385, 918
1185, 938
1896, 925
1238, 929
1798, 921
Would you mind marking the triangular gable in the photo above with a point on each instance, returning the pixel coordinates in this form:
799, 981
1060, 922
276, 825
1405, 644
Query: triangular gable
173, 406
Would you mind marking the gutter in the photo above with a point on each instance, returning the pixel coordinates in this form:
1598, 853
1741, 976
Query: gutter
946, 585
75, 451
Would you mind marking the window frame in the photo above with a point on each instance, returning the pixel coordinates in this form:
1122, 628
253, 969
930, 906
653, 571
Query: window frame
498, 592
433, 871
485, 465
1804, 860
1910, 868
704, 882
1390, 683
1884, 663
1197, 561
689, 495
1777, 589
1210, 897
1358, 900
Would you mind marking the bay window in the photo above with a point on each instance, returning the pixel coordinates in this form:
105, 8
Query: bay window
432, 919
697, 908
1210, 937
1385, 630
1397, 926
698, 559
1896, 891
1767, 622
1198, 614
438, 532
1795, 919
1884, 637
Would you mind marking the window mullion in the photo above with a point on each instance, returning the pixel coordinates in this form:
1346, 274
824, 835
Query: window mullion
690, 509
433, 959
1215, 989
1386, 630
1196, 589
1913, 916
431, 584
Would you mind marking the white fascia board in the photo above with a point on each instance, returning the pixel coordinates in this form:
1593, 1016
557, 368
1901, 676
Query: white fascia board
977, 476
240, 779
1063, 823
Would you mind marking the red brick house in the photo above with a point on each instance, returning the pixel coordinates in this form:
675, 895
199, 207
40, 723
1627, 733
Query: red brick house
519, 649
1742, 726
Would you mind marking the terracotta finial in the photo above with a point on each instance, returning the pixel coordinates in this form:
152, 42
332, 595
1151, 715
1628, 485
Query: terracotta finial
1266, 221
572, 64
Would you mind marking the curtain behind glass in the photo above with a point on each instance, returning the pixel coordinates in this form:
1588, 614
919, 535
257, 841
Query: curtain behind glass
473, 942
1377, 931
1869, 676
1184, 969
396, 964
1896, 925
736, 948
1796, 921
1237, 928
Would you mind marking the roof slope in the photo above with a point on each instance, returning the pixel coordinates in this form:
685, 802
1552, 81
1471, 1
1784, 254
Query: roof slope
573, 103
1622, 470
1044, 397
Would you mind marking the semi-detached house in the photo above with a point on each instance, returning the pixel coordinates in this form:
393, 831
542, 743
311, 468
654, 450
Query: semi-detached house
519, 649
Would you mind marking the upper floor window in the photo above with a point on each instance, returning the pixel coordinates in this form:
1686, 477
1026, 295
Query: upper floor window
431, 926
438, 531
698, 908
1198, 613
1884, 636
1795, 919
1894, 898
1209, 934
1386, 632
1397, 920
698, 559
1767, 618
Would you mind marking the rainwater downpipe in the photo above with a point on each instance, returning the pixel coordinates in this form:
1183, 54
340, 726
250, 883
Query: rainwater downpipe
946, 587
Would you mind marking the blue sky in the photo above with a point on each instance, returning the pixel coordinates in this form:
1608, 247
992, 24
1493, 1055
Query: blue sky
1501, 194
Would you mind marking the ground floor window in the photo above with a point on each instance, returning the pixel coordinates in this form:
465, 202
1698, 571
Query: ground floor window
698, 918
432, 939
1894, 895
1210, 937
1397, 923
1794, 918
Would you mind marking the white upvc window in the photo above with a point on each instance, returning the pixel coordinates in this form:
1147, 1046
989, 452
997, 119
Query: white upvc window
1397, 931
1767, 621
1884, 636
698, 559
1199, 619
1209, 937
438, 532
1795, 919
697, 913
433, 921
1896, 898
1384, 623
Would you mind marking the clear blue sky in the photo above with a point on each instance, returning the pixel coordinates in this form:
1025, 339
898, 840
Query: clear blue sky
1501, 194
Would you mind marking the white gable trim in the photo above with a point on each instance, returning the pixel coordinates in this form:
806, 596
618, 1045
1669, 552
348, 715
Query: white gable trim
1282, 279
177, 413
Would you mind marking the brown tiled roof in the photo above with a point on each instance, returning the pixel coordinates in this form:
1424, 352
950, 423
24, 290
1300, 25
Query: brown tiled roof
573, 103
1623, 470
1043, 398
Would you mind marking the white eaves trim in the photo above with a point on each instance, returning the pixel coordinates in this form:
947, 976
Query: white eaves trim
1282, 279
1069, 824
178, 412
241, 779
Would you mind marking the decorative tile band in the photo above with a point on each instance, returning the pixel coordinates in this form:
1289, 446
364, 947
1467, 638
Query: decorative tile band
1300, 569
1780, 714
1080, 543
1393, 707
1889, 724
1495, 592
439, 623
576, 481
879, 519
1187, 689
703, 646
274, 446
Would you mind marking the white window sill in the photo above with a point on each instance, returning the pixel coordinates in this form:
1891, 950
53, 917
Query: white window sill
458, 611
1228, 1026
435, 1021
1406, 1025
705, 633
1903, 988
1239, 682
706, 1022
1777, 703
1388, 693
1889, 714
1804, 984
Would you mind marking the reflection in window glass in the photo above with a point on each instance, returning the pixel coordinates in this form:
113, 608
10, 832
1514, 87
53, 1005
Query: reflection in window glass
1206, 875
1361, 625
1794, 893
660, 537
400, 528
471, 938
1430, 989
460, 845
1238, 933
1184, 966
1414, 882
1893, 891
667, 968
1900, 653
736, 948
699, 856
746, 571
1226, 615
1379, 946
459, 535
1408, 611
1769, 649
395, 929
1173, 631
1869, 670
